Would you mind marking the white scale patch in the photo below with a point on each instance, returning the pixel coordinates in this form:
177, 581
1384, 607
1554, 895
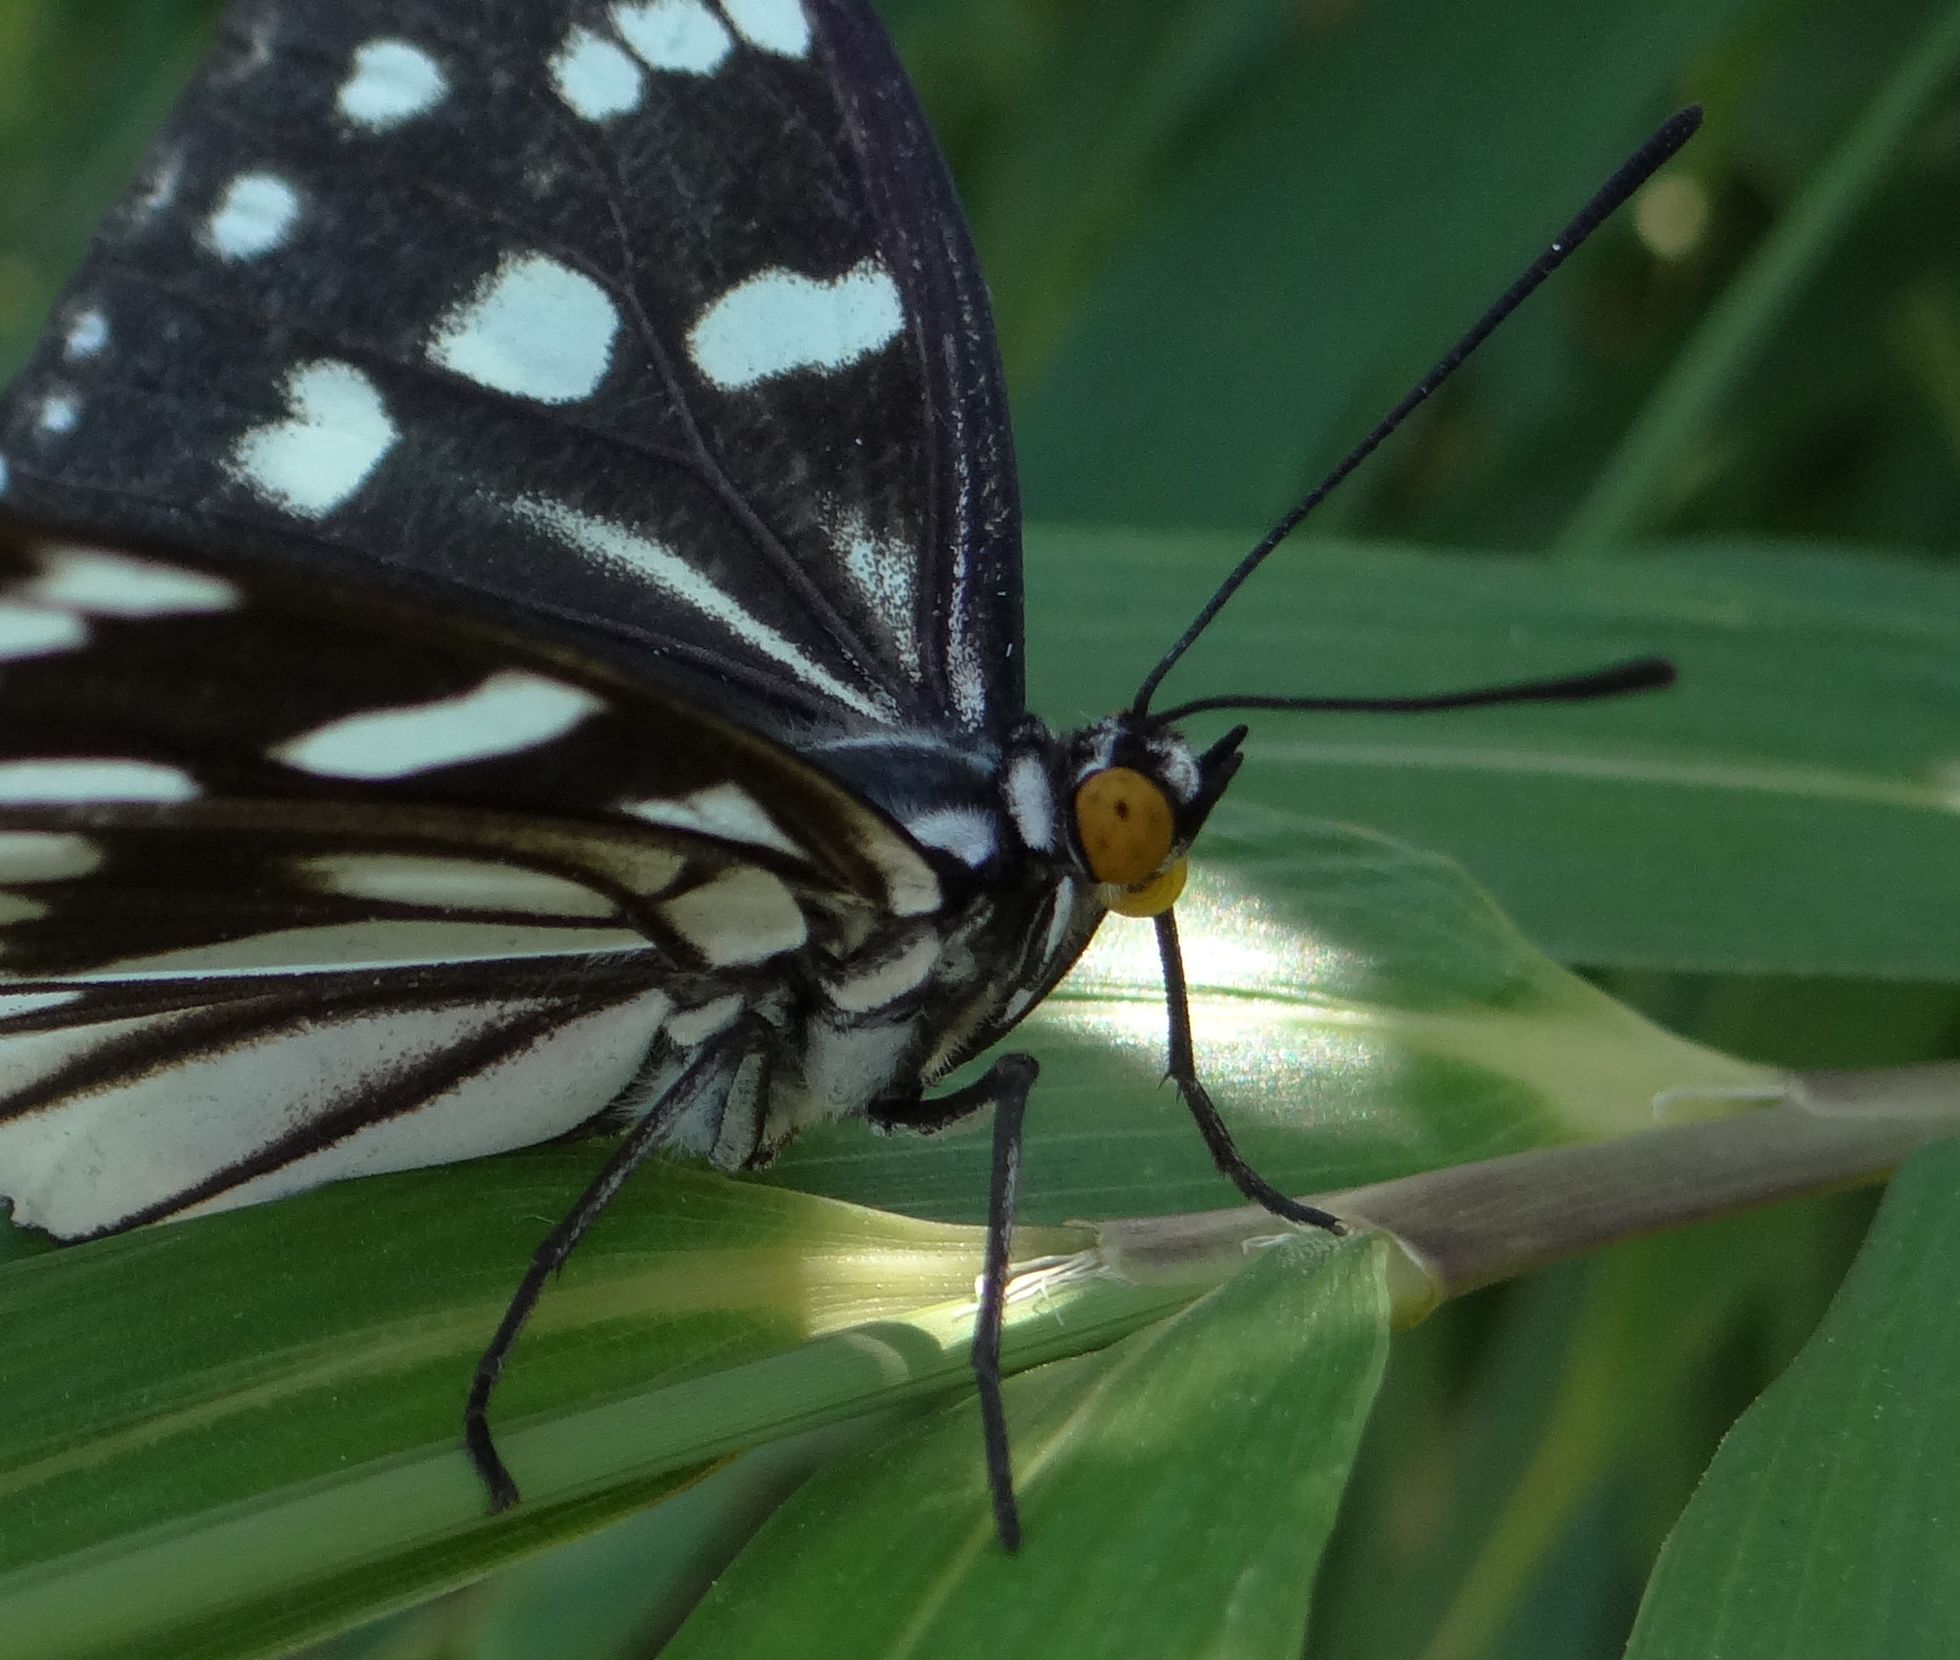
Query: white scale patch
778, 322
255, 215
510, 712
843, 1069
46, 856
159, 188
882, 568
103, 584
443, 884
620, 548
1031, 801
596, 80
533, 328
681, 36
1059, 919
726, 811
391, 82
743, 916
88, 333
873, 988
778, 26
967, 833
314, 460
66, 782
31, 631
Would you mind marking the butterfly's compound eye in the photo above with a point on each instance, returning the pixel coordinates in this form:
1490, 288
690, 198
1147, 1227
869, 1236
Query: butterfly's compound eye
1125, 824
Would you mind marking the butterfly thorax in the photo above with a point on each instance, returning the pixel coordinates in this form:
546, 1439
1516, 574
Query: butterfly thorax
1025, 836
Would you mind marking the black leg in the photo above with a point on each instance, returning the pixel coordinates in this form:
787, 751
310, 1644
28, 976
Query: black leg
1182, 1069
920, 1114
640, 1143
1010, 1079
1005, 1087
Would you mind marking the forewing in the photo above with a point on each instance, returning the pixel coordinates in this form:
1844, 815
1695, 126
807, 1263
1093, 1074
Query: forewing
652, 326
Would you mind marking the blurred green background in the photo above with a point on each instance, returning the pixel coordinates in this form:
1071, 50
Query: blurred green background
1222, 237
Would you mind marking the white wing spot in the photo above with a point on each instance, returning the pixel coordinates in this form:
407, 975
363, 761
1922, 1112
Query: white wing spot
534, 328
254, 216
743, 916
63, 782
59, 413
17, 907
88, 333
967, 833
778, 322
690, 1026
32, 631
615, 546
440, 884
391, 82
873, 988
778, 26
595, 78
680, 35
46, 856
511, 711
726, 810
337, 434
911, 886
102, 584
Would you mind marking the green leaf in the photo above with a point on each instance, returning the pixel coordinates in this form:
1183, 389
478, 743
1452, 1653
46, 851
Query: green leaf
226, 1434
1318, 248
1218, 1441
1827, 1523
1789, 807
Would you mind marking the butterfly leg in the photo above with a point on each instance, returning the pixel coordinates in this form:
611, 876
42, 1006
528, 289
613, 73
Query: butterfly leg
1006, 1085
715, 1065
1182, 1068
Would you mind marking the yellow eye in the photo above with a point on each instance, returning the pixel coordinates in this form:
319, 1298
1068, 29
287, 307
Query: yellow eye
1154, 897
1125, 825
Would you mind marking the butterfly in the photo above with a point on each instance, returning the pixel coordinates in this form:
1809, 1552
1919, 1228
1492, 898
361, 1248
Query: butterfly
511, 627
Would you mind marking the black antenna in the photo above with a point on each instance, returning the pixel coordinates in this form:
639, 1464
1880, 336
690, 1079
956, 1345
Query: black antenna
1639, 674
1629, 177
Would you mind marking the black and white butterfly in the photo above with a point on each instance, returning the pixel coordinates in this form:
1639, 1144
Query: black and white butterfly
510, 625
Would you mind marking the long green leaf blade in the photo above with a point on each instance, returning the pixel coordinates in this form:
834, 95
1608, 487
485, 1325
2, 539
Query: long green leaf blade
1827, 1524
1218, 1442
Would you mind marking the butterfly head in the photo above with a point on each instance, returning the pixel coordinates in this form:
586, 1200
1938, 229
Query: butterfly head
1136, 795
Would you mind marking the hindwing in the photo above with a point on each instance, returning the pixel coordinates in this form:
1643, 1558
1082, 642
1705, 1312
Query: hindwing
299, 881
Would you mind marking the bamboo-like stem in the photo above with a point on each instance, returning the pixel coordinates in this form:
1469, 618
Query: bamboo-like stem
1469, 1226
